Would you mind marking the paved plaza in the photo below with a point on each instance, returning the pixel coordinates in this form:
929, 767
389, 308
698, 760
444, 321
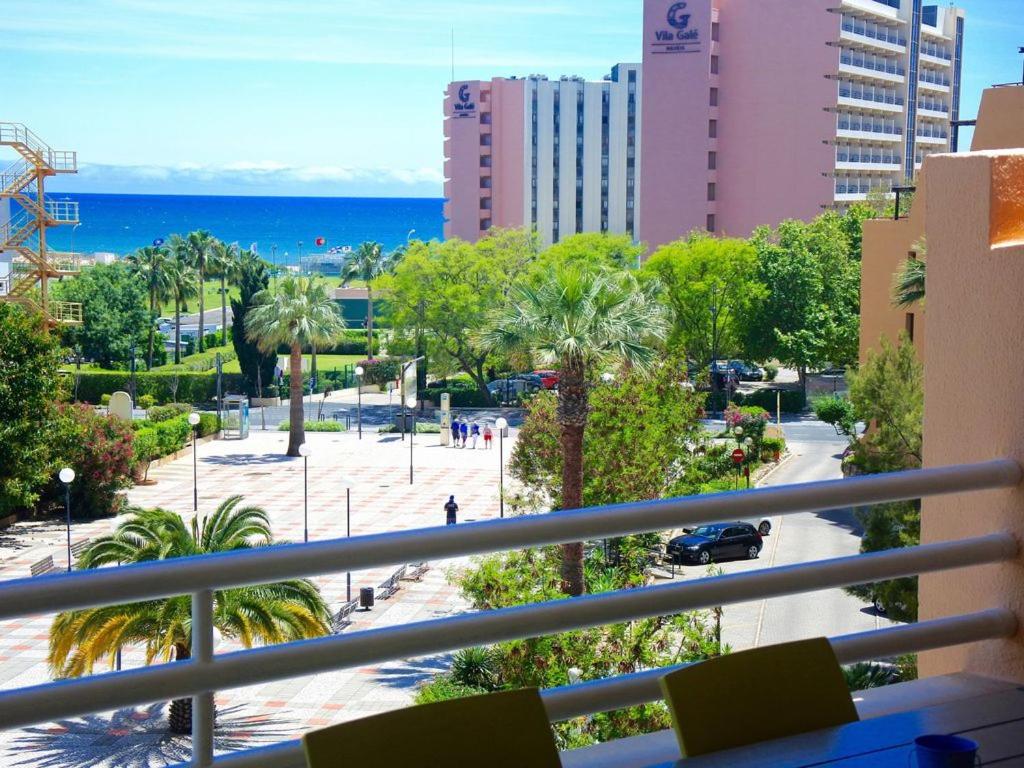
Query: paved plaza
376, 471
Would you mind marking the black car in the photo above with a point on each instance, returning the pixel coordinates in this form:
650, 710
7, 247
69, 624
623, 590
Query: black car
712, 543
746, 371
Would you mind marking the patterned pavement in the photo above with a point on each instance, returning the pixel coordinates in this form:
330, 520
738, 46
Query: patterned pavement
376, 470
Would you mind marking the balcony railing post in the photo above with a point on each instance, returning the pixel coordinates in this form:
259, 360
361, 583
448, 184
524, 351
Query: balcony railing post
203, 711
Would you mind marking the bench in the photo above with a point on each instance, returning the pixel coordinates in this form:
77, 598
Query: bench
342, 619
78, 548
389, 587
416, 571
43, 567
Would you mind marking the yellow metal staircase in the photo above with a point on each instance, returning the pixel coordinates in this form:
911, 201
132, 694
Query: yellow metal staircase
23, 238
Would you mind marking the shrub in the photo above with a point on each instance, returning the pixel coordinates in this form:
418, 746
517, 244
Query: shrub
751, 418
352, 343
105, 399
209, 424
382, 370
771, 371
772, 445
167, 412
315, 426
443, 688
164, 386
462, 396
101, 451
837, 411
422, 428
146, 402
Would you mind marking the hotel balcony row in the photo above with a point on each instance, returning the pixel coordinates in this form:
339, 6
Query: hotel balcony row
851, 189
871, 34
855, 126
870, 97
870, 65
934, 81
855, 158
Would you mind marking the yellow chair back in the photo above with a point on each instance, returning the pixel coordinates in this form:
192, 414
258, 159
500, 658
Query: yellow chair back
508, 729
757, 695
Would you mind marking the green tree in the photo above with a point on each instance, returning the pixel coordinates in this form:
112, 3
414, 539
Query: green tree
447, 290
710, 285
300, 313
29, 359
887, 394
579, 320
368, 263
200, 247
908, 286
114, 309
181, 276
150, 265
598, 249
265, 614
252, 275
224, 265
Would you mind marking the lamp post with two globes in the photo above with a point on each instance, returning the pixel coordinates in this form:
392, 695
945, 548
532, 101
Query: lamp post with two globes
501, 424
305, 452
359, 395
410, 403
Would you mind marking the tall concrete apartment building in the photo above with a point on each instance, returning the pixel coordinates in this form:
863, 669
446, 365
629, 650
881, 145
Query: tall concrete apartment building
561, 156
748, 112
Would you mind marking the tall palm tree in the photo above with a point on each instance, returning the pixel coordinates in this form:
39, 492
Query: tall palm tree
224, 265
181, 276
367, 263
269, 613
577, 319
150, 264
300, 313
908, 285
201, 251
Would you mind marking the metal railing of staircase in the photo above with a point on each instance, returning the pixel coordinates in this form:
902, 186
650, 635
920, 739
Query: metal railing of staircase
206, 672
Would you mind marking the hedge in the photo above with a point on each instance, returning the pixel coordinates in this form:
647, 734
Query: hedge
192, 387
314, 426
168, 412
352, 343
793, 400
461, 397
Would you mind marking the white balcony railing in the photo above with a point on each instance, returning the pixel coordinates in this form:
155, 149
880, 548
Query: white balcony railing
849, 89
207, 672
883, 33
872, 62
934, 78
865, 124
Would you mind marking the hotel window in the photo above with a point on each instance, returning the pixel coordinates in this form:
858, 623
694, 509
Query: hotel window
711, 222
714, 31
712, 161
485, 182
714, 97
485, 161
485, 203
485, 140
910, 326
714, 65
485, 118
711, 191
713, 129
485, 224
485, 96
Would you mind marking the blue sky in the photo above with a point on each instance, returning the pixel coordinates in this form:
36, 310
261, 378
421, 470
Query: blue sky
314, 97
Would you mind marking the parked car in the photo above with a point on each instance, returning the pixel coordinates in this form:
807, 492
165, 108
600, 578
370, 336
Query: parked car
712, 543
548, 378
507, 390
534, 383
747, 371
723, 375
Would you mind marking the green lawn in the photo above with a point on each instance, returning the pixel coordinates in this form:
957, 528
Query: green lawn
323, 362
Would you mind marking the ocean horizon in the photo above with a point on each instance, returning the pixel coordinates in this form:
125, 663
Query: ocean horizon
116, 223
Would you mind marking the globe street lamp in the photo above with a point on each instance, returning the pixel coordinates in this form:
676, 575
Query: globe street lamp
501, 424
193, 420
67, 476
607, 378
305, 452
359, 394
410, 403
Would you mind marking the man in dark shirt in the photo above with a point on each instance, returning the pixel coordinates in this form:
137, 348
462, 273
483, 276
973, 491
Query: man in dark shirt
450, 510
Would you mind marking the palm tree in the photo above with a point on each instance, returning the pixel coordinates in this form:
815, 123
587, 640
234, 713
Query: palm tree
201, 253
150, 264
908, 287
224, 265
270, 613
181, 277
578, 318
367, 263
300, 313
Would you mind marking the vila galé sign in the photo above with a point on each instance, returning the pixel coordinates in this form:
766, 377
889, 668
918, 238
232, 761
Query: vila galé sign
679, 35
465, 101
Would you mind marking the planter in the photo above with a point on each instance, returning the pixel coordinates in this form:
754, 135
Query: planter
265, 402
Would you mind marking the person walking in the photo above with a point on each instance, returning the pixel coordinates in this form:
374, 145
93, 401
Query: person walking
488, 435
474, 432
451, 509
455, 432
464, 432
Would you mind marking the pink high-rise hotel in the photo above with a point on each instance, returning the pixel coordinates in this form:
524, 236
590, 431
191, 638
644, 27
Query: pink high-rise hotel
743, 113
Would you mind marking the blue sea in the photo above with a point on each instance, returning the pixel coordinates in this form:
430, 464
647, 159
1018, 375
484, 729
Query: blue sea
121, 223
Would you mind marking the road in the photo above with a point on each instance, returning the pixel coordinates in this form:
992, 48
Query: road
800, 538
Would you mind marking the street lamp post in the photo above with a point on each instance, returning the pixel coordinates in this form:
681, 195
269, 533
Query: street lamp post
348, 534
67, 476
410, 403
359, 395
749, 442
501, 425
305, 451
193, 420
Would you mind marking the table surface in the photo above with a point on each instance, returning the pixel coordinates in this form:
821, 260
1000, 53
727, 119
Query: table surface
995, 722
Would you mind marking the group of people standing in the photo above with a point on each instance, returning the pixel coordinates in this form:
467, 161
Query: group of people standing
464, 431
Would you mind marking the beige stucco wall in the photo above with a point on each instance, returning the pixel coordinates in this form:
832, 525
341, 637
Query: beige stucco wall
887, 243
972, 388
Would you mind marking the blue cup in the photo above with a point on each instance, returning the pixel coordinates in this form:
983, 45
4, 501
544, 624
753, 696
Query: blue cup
945, 752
